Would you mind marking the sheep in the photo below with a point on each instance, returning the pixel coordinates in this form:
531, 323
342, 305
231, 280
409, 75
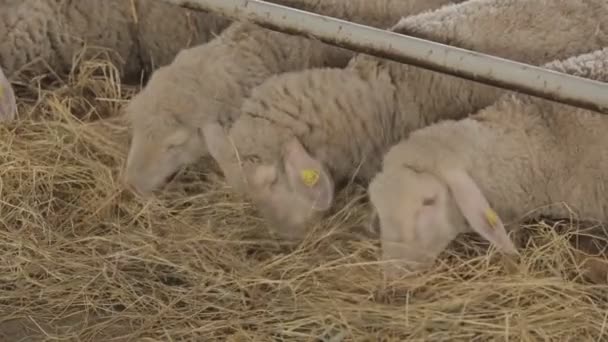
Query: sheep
473, 174
302, 135
208, 83
8, 106
143, 33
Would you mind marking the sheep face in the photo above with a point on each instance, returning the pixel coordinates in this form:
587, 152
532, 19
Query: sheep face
419, 213
290, 193
162, 140
156, 156
8, 104
293, 193
415, 217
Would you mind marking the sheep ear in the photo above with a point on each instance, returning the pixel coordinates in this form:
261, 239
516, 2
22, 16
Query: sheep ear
8, 103
221, 150
477, 211
308, 176
217, 141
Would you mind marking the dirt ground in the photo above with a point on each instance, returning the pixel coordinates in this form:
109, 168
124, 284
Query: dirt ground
82, 259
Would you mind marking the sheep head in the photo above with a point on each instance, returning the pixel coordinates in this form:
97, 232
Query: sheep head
420, 213
162, 142
291, 193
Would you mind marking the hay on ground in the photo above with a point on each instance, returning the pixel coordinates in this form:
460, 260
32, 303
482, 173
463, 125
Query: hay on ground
84, 260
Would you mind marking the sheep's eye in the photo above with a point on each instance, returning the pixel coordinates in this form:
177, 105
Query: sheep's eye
172, 146
429, 201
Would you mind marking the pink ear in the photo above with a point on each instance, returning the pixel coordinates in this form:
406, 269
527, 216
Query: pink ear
8, 104
476, 210
308, 176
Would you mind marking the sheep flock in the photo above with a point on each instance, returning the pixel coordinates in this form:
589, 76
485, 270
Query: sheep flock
124, 215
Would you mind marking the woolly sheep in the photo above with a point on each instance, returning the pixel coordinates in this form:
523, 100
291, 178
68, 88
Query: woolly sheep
516, 155
141, 32
208, 83
301, 135
8, 106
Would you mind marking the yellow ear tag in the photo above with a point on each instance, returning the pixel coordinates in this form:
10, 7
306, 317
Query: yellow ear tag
310, 177
492, 217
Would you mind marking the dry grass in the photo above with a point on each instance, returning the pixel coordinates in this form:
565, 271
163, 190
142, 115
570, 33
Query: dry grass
83, 260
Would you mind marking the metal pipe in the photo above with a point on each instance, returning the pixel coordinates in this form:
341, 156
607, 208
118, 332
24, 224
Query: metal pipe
474, 66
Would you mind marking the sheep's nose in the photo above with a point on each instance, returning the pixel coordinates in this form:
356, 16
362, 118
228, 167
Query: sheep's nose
127, 184
130, 183
139, 191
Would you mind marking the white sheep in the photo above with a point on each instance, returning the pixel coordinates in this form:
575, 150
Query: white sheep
143, 33
208, 83
517, 155
301, 135
8, 105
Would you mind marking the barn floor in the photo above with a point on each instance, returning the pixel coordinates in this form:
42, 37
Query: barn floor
83, 260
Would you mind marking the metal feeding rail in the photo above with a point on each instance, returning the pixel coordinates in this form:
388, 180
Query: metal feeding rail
474, 66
